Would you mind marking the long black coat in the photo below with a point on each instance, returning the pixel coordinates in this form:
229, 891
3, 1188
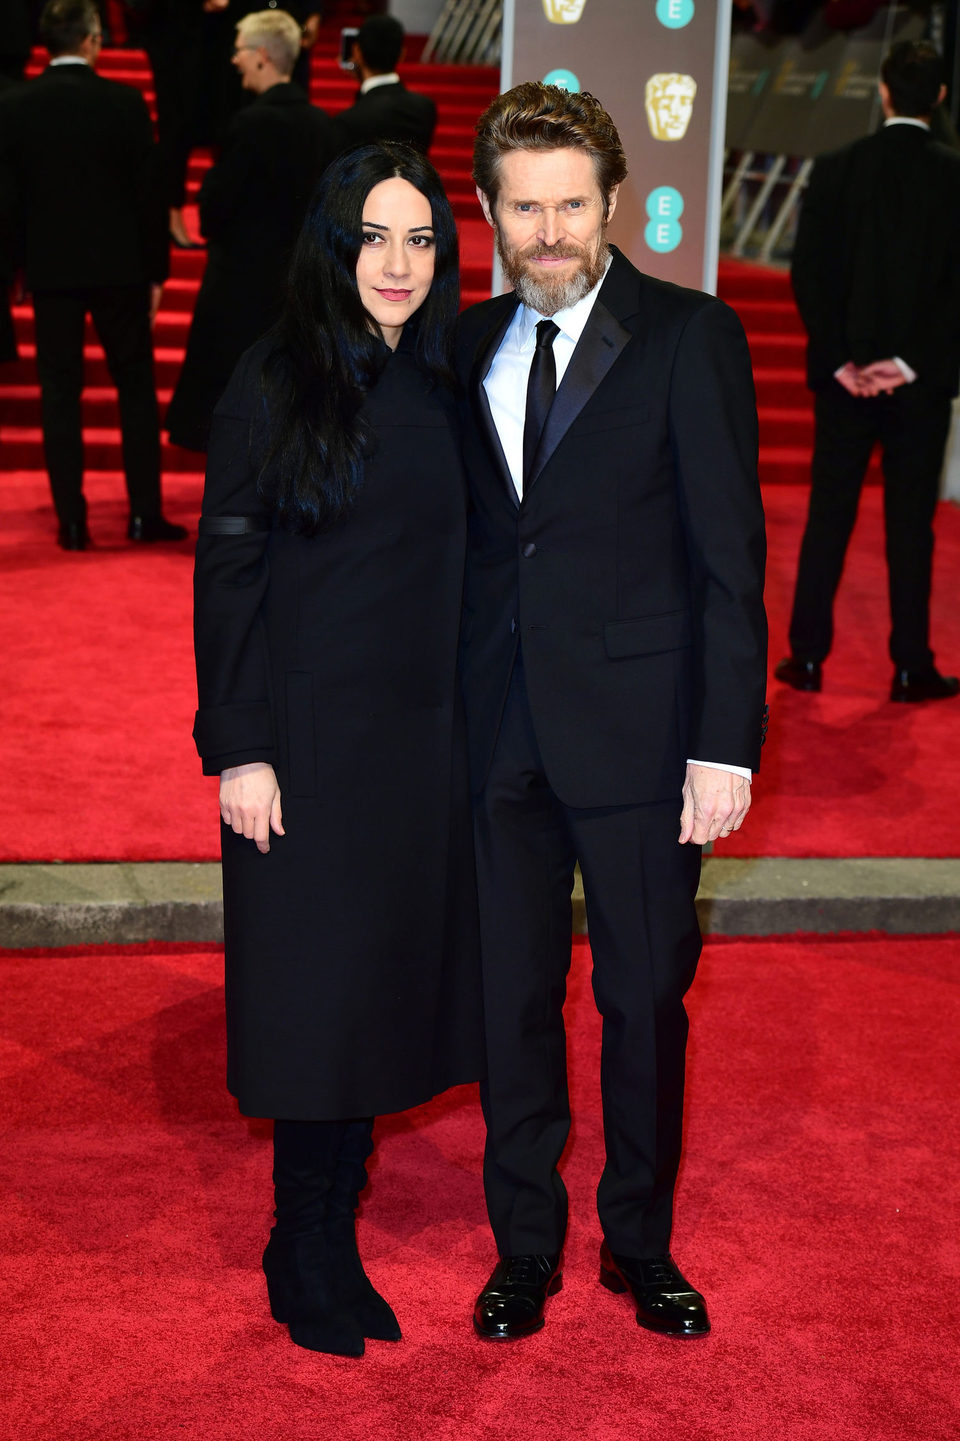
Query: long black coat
351, 951
252, 204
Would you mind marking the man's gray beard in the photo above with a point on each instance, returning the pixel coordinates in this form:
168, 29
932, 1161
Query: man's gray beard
548, 294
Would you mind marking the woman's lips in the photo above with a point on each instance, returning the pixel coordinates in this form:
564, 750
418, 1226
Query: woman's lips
395, 294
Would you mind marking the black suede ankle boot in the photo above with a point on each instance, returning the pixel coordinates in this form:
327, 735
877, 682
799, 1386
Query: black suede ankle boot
351, 1283
297, 1261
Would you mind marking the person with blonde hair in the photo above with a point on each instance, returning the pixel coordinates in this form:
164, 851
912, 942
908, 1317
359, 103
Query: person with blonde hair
252, 203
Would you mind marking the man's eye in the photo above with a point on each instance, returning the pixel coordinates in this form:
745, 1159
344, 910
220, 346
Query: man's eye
525, 208
574, 205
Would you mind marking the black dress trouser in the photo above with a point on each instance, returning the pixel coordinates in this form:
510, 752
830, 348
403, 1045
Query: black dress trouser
911, 425
121, 317
639, 885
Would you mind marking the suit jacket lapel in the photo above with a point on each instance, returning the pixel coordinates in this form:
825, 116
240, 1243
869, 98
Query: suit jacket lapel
486, 351
598, 348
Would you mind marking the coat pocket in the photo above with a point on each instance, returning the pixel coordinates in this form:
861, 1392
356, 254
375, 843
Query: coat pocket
648, 635
301, 734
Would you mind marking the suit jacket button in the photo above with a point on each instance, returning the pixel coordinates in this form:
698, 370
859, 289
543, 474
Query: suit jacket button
529, 550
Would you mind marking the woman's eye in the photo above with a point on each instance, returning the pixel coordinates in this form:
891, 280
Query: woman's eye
371, 237
422, 242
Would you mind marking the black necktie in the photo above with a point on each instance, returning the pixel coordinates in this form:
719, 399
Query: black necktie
541, 388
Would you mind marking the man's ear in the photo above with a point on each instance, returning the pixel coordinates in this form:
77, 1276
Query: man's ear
485, 203
612, 201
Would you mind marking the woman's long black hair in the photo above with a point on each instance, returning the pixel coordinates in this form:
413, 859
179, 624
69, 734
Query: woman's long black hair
328, 350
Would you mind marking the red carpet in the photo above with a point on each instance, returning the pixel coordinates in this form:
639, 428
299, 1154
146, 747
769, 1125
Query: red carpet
816, 1209
99, 694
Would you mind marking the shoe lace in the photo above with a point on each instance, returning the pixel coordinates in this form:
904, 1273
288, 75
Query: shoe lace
525, 1270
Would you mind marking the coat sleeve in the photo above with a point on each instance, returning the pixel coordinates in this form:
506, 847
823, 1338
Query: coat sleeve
814, 269
227, 183
149, 195
234, 721
713, 433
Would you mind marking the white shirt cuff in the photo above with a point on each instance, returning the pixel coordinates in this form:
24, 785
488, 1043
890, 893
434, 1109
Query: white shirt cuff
907, 371
716, 766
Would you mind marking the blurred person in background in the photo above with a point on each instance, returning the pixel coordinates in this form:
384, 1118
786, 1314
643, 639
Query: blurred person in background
252, 204
385, 109
82, 207
878, 288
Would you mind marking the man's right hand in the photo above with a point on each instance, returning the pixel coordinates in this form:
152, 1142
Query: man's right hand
250, 802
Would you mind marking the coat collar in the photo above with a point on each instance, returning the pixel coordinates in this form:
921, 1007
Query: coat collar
600, 345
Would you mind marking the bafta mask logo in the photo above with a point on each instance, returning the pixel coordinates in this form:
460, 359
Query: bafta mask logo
564, 12
669, 102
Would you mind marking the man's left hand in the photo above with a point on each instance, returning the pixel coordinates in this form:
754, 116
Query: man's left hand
714, 804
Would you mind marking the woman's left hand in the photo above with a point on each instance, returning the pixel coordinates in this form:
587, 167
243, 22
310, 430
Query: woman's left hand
250, 802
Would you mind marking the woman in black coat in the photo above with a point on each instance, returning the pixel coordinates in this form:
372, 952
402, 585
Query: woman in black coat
328, 583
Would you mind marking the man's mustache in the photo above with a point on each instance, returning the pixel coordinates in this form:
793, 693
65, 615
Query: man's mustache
561, 251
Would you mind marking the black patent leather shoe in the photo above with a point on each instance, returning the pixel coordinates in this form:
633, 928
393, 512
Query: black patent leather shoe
801, 674
512, 1302
73, 535
917, 685
149, 528
665, 1300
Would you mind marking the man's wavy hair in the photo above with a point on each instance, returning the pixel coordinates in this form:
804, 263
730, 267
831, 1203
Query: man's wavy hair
534, 116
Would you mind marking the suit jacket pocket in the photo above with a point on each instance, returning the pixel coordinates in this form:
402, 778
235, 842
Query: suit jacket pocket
301, 734
648, 635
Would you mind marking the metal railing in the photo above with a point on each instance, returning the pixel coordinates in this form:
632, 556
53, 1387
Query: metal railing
467, 33
760, 199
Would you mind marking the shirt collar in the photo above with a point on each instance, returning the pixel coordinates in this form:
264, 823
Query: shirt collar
68, 60
373, 81
906, 120
571, 322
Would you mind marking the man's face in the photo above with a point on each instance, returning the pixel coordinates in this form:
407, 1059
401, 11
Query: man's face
247, 60
550, 226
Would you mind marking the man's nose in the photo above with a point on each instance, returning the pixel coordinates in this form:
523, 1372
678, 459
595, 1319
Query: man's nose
551, 226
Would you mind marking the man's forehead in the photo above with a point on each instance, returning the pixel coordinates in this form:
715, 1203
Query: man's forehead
538, 174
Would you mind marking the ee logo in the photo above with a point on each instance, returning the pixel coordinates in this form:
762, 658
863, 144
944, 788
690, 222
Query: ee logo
565, 79
664, 207
675, 13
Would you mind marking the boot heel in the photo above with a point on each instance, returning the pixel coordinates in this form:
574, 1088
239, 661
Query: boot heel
612, 1281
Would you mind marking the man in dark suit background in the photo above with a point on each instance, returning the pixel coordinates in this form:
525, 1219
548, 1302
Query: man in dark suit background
877, 282
614, 648
78, 187
252, 204
385, 109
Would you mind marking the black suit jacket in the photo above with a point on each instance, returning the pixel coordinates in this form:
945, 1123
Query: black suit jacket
633, 568
875, 267
389, 112
79, 183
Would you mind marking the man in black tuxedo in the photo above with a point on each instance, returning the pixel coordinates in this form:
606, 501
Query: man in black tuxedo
385, 109
877, 282
614, 647
252, 205
78, 184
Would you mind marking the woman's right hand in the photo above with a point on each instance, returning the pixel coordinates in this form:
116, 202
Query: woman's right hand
250, 802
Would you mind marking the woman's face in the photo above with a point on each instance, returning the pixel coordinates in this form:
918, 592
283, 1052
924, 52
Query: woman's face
395, 268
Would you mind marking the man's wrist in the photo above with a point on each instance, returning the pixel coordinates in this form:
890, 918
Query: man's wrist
743, 771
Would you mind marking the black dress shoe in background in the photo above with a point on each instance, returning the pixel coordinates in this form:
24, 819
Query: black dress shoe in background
73, 535
149, 528
665, 1300
801, 674
512, 1302
917, 685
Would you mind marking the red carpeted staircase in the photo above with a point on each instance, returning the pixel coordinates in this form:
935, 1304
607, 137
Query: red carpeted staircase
460, 92
763, 299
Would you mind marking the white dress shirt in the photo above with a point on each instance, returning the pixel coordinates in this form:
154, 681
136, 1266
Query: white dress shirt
506, 387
